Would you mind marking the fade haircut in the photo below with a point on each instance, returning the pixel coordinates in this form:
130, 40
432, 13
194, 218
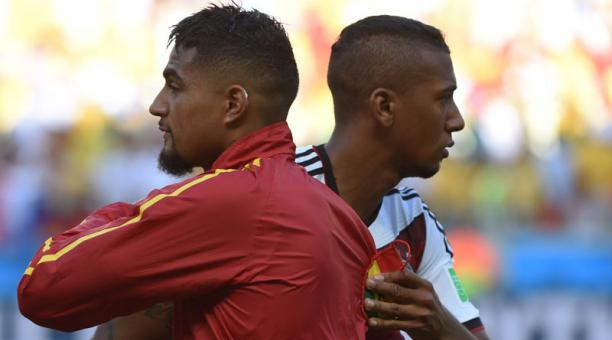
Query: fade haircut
378, 52
230, 40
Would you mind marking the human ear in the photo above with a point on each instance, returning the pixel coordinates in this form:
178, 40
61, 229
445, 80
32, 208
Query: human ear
237, 99
382, 105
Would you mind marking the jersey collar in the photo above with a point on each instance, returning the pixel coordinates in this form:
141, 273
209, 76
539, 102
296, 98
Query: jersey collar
272, 140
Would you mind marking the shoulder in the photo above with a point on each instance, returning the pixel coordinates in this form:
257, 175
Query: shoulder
308, 158
399, 209
405, 216
404, 203
215, 185
305, 150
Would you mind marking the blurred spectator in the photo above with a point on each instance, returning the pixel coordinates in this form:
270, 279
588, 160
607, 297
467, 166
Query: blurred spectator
533, 165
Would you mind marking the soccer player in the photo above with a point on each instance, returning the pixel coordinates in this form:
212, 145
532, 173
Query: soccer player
392, 82
253, 248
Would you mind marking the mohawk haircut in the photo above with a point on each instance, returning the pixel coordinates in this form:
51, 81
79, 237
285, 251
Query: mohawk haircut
378, 52
230, 40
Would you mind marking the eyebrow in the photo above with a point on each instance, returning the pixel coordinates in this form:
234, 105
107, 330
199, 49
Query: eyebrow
449, 88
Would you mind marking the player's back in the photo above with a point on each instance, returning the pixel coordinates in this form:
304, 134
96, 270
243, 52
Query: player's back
306, 273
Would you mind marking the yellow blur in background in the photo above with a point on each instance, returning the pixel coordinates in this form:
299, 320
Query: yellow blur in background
526, 197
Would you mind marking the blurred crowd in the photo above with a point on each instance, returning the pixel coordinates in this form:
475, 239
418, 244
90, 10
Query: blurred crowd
535, 89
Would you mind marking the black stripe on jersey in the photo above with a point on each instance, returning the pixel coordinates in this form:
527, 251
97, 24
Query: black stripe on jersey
406, 191
402, 191
439, 227
475, 325
409, 197
405, 194
304, 153
330, 180
398, 191
316, 171
308, 162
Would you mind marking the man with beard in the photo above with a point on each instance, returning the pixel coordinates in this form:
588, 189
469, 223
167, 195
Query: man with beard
392, 82
251, 248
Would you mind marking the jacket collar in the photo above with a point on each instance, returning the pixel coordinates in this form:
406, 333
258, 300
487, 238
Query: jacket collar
272, 140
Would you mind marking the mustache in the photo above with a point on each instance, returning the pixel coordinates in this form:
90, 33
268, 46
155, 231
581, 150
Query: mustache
163, 127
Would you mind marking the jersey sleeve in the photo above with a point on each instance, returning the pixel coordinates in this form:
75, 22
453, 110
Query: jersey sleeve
175, 244
437, 267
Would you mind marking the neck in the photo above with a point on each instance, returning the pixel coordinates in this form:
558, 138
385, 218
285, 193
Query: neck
361, 168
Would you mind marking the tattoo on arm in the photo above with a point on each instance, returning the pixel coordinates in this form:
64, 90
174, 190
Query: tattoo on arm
161, 312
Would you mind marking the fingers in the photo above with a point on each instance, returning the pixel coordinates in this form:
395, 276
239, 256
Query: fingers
377, 323
391, 315
405, 278
397, 293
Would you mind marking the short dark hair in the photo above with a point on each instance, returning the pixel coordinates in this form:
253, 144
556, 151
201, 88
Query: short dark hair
378, 51
232, 40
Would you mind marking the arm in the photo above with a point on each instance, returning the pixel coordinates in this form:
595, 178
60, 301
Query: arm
411, 304
154, 323
101, 217
86, 276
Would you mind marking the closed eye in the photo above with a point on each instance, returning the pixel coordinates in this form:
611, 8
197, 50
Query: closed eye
448, 92
173, 79
446, 98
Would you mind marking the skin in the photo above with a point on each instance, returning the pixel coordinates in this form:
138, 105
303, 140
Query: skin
190, 110
201, 113
402, 134
411, 304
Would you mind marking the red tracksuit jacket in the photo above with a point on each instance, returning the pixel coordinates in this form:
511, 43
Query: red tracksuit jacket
253, 249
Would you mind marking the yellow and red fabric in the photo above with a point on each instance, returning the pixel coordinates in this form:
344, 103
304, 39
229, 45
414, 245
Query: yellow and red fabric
243, 251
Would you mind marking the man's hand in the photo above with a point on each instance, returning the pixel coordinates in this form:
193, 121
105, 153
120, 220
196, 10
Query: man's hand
411, 304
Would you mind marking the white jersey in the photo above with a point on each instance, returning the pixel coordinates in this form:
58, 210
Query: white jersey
403, 215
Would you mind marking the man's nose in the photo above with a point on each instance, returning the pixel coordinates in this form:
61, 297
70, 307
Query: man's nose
455, 120
159, 106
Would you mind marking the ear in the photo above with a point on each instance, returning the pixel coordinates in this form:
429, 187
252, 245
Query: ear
237, 101
382, 104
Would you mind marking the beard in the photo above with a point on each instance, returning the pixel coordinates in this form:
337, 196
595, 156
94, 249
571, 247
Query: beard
170, 162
